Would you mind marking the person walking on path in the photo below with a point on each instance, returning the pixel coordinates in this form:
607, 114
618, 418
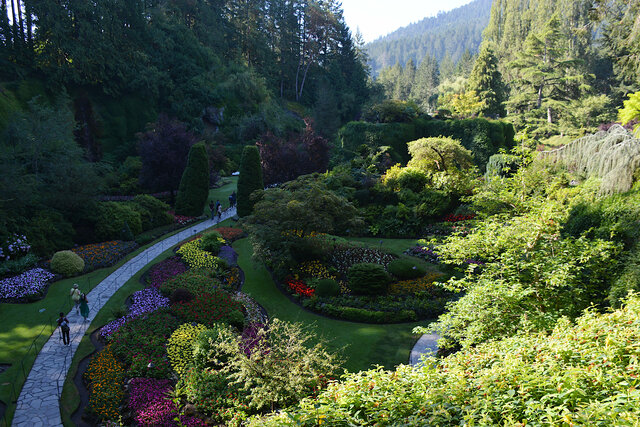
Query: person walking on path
213, 209
75, 296
219, 212
84, 306
63, 323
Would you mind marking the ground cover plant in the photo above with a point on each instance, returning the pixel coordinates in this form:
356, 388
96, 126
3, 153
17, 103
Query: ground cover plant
27, 286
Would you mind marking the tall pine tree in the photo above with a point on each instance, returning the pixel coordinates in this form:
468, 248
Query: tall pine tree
250, 179
486, 81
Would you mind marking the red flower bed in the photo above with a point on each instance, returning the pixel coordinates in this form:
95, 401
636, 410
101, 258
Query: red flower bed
458, 218
299, 287
230, 233
182, 220
211, 308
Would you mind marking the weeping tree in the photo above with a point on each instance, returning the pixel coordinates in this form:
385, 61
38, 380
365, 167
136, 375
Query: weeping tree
613, 156
194, 185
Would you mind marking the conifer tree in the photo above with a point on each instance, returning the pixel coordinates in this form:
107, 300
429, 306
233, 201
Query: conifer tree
194, 185
486, 81
250, 179
425, 87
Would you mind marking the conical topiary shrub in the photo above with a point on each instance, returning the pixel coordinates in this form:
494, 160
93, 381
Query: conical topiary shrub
194, 185
250, 179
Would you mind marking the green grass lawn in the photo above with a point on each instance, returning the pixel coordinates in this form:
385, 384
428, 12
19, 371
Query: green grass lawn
394, 246
221, 193
362, 345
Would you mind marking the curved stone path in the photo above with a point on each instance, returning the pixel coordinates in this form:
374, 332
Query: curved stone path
39, 401
427, 345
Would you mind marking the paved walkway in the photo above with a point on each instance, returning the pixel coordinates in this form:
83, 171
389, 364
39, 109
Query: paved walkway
426, 345
39, 401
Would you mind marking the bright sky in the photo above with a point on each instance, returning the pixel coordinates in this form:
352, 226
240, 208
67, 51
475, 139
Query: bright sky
377, 18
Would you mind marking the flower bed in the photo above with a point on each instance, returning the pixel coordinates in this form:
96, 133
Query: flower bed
182, 220
315, 269
423, 252
210, 308
29, 285
299, 287
195, 281
165, 270
414, 286
106, 384
144, 301
230, 233
105, 254
253, 310
196, 257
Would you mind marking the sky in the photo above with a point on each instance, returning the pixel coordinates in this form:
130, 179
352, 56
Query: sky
377, 18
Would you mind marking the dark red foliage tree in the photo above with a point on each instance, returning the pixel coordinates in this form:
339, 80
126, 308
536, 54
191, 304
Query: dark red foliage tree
300, 154
164, 149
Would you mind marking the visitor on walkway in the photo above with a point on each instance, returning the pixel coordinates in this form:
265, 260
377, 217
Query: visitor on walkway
84, 307
212, 207
219, 212
63, 323
232, 199
75, 296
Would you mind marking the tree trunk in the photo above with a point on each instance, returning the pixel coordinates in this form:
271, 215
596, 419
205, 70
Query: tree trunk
4, 21
304, 77
539, 101
29, 29
13, 23
549, 116
22, 37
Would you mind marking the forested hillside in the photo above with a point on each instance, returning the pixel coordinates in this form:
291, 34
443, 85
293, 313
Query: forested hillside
447, 35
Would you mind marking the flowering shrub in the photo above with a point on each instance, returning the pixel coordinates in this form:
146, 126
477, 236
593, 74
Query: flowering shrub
105, 254
415, 285
196, 281
165, 270
150, 405
15, 246
458, 218
196, 257
299, 287
210, 308
343, 257
180, 346
229, 233
144, 301
182, 220
30, 284
315, 269
106, 385
213, 394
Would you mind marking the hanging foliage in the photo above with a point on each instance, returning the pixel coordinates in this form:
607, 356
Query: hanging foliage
613, 156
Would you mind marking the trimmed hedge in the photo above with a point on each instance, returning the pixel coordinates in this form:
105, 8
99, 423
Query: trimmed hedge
368, 279
194, 185
483, 137
67, 263
250, 179
405, 269
327, 288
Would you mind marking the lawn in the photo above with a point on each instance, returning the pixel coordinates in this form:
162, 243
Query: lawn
221, 193
362, 345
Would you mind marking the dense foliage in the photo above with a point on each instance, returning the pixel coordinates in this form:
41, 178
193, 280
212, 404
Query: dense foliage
193, 191
250, 179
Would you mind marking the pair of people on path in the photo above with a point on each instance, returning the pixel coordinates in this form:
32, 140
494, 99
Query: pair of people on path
216, 209
232, 199
80, 301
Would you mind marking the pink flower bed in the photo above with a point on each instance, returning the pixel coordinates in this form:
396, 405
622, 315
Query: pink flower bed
165, 270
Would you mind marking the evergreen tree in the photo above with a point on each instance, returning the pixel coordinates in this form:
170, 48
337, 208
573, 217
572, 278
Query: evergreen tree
250, 179
194, 185
425, 87
486, 81
405, 82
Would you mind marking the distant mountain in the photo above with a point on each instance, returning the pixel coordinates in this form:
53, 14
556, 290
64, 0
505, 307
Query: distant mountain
447, 33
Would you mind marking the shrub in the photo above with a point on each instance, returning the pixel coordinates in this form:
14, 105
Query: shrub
503, 165
196, 281
180, 346
368, 279
208, 356
194, 185
405, 269
180, 295
67, 263
196, 257
327, 288
114, 220
212, 242
229, 233
18, 265
48, 232
250, 179
212, 394
153, 212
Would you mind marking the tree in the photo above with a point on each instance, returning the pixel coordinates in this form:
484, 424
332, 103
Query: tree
439, 155
164, 149
487, 83
282, 364
425, 87
250, 179
631, 112
194, 185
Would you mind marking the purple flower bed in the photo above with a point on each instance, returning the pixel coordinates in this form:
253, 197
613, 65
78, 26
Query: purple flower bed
144, 301
165, 270
228, 254
423, 252
28, 284
150, 406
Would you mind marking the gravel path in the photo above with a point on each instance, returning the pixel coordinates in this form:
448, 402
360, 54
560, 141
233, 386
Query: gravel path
427, 344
